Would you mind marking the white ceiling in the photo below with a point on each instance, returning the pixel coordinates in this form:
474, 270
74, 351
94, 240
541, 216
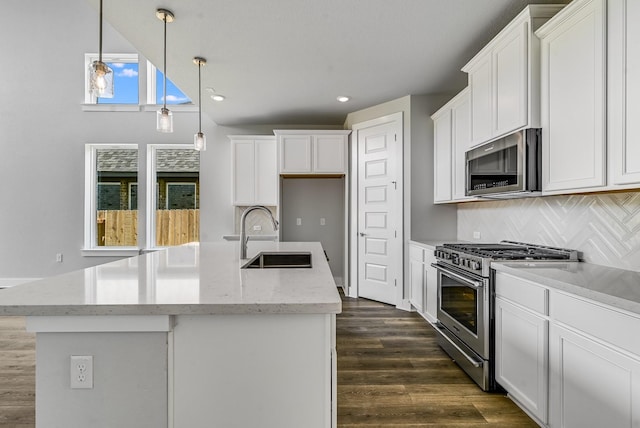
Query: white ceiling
286, 61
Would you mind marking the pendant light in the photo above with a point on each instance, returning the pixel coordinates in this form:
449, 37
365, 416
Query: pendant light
164, 121
199, 139
100, 74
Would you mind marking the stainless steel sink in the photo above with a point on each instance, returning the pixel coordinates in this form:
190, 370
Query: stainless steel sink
279, 260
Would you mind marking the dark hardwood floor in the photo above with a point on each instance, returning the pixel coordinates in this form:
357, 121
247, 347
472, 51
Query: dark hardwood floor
391, 373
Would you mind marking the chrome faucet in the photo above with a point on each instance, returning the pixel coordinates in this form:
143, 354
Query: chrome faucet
244, 239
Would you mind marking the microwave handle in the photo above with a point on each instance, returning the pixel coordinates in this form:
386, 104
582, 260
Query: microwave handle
473, 284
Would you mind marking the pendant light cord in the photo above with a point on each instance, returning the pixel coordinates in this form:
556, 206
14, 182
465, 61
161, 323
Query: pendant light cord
199, 97
164, 74
100, 37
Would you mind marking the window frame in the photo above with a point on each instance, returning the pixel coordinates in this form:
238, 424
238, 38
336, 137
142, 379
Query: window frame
152, 197
90, 100
152, 86
90, 203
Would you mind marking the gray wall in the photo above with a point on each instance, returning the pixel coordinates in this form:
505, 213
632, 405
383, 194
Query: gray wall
43, 131
311, 199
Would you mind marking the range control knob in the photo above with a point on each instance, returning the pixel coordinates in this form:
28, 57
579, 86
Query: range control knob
475, 265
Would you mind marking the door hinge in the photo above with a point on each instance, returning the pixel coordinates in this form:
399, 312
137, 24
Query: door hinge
395, 233
395, 137
395, 282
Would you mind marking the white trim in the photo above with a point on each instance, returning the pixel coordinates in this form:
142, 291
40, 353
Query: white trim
90, 203
152, 197
152, 85
10, 282
110, 252
89, 99
175, 108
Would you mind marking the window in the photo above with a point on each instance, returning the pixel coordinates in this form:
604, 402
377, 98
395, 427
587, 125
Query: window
111, 219
174, 171
125, 78
111, 197
155, 88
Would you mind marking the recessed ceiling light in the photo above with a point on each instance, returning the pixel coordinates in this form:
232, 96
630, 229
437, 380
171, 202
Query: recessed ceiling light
343, 98
217, 97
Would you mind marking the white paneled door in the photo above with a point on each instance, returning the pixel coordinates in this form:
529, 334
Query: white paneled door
379, 231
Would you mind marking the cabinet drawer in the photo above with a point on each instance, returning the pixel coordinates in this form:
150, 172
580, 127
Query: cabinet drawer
416, 253
605, 323
522, 292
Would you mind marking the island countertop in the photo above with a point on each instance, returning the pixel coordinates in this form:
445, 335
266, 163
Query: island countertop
193, 279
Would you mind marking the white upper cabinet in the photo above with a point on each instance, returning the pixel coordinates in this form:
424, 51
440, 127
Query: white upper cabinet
312, 152
504, 78
451, 141
255, 170
442, 176
623, 86
573, 98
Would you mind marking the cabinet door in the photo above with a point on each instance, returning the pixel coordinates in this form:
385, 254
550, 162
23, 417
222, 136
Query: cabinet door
521, 356
461, 138
442, 157
623, 91
510, 80
329, 154
416, 277
591, 384
243, 164
295, 154
481, 101
431, 287
573, 95
266, 172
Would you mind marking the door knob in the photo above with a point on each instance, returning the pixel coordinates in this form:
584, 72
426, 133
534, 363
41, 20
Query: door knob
363, 234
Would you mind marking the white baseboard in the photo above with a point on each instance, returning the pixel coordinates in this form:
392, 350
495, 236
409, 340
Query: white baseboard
10, 282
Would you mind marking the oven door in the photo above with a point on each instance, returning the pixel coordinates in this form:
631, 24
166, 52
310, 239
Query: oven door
463, 307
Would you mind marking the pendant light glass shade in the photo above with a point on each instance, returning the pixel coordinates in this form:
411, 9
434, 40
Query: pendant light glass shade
100, 74
100, 80
199, 139
164, 122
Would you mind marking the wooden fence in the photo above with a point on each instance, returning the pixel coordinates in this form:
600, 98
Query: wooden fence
173, 227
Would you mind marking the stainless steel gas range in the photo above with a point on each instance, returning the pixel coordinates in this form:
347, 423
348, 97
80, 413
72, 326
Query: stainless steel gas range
466, 299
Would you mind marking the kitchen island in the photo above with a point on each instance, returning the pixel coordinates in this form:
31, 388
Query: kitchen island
184, 337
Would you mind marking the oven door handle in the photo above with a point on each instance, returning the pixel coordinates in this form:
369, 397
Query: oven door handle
471, 283
473, 362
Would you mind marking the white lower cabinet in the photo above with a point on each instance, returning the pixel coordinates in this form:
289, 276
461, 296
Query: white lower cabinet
423, 281
521, 356
416, 277
591, 383
431, 286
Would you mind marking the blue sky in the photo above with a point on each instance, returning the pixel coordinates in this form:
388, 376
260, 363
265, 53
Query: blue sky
125, 85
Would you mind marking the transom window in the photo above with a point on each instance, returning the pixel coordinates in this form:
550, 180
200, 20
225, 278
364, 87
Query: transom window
128, 80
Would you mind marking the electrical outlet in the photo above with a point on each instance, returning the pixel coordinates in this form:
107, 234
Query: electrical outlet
257, 227
59, 257
81, 372
323, 221
298, 221
476, 235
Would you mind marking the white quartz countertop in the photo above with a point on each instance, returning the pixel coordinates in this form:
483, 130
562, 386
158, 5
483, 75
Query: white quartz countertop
615, 287
194, 279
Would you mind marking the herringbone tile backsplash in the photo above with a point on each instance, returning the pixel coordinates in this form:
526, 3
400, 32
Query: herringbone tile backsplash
605, 227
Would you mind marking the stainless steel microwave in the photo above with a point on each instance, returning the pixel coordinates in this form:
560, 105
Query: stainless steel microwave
508, 167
